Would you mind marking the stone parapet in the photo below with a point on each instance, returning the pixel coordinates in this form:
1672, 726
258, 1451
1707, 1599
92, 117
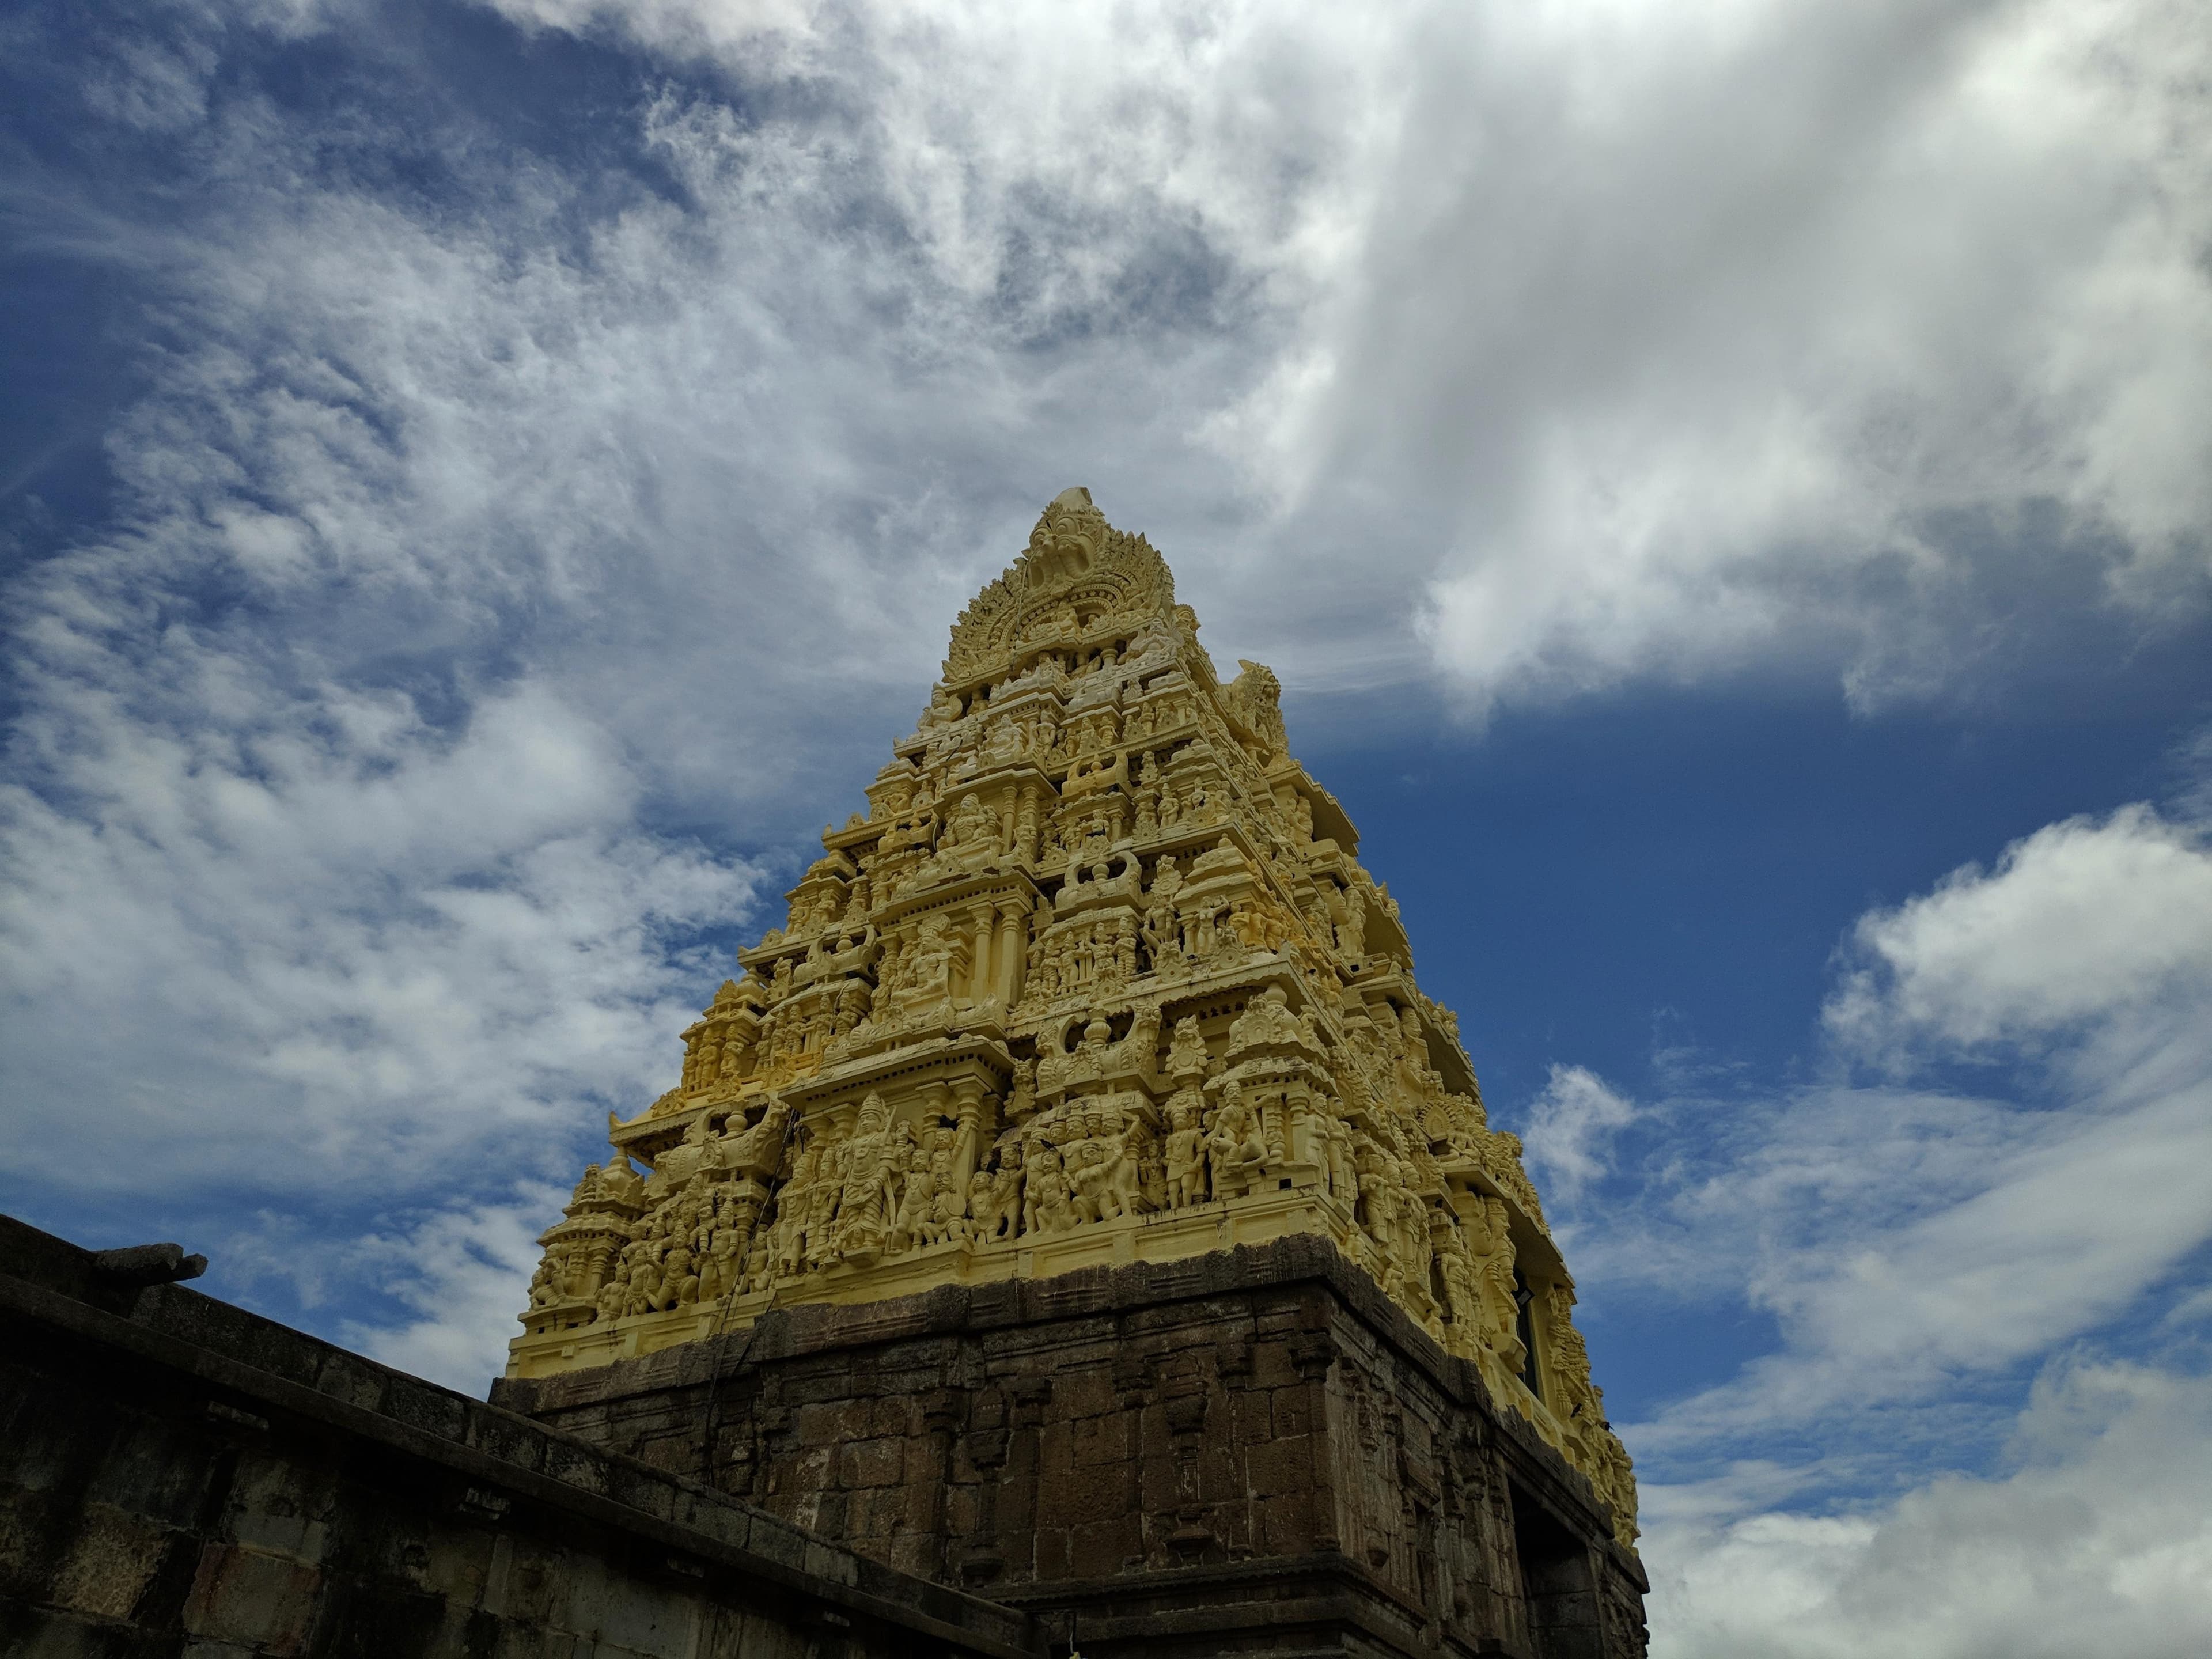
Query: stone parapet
181, 1475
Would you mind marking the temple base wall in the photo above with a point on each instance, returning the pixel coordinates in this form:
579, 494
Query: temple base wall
1250, 1451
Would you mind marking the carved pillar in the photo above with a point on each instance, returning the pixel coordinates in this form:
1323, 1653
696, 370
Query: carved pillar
943, 1413
1297, 1123
980, 976
987, 1447
935, 1098
1025, 824
597, 1254
968, 1096
745, 1211
1017, 1507
1012, 951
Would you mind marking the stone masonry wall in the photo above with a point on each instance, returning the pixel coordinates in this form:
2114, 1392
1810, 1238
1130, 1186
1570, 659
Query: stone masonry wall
178, 1476
1251, 1452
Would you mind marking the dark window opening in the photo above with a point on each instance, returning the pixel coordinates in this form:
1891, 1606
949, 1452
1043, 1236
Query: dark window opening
1524, 1327
1558, 1589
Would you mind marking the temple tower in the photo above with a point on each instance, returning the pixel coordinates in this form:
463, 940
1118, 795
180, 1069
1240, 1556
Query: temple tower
1094, 1015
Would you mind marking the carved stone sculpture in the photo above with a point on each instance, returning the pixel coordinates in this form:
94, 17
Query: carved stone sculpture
1097, 976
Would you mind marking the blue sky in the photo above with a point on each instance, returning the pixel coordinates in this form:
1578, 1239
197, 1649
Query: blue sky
1727, 487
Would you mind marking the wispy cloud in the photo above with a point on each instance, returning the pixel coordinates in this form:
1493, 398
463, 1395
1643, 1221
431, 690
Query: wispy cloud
459, 1274
1570, 1126
1923, 1248
1905, 1236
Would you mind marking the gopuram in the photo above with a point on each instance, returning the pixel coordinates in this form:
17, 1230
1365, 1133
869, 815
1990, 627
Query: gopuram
1078, 1201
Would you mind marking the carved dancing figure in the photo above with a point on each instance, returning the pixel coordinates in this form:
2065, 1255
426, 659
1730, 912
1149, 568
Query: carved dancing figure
1234, 1149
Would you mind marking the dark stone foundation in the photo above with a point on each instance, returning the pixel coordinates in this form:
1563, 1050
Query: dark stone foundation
1248, 1452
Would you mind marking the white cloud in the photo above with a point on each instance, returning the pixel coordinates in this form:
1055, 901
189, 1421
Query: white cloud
302, 961
2097, 1540
1618, 340
464, 1274
1570, 1124
2082, 920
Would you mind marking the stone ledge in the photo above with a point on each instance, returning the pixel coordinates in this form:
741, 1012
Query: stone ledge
286, 1374
818, 1327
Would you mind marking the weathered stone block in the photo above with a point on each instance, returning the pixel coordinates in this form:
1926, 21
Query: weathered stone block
1291, 1410
281, 1507
874, 1463
106, 1566
249, 1596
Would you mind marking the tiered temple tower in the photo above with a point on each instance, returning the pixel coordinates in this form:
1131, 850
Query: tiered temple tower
1096, 981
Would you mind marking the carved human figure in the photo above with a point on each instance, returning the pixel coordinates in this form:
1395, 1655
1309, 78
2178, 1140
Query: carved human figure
1351, 931
973, 827
1463, 1293
1044, 1161
731, 1065
548, 1285
644, 1286
1233, 1148
917, 1204
1094, 1200
757, 1272
1007, 1193
935, 959
1343, 1182
945, 708
1186, 1161
717, 1274
1124, 1171
864, 1207
1055, 1208
614, 1295
792, 1213
1489, 1245
821, 1205
948, 1203
982, 1207
679, 1286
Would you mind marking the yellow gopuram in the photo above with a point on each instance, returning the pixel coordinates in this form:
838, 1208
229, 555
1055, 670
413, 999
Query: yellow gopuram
1096, 979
